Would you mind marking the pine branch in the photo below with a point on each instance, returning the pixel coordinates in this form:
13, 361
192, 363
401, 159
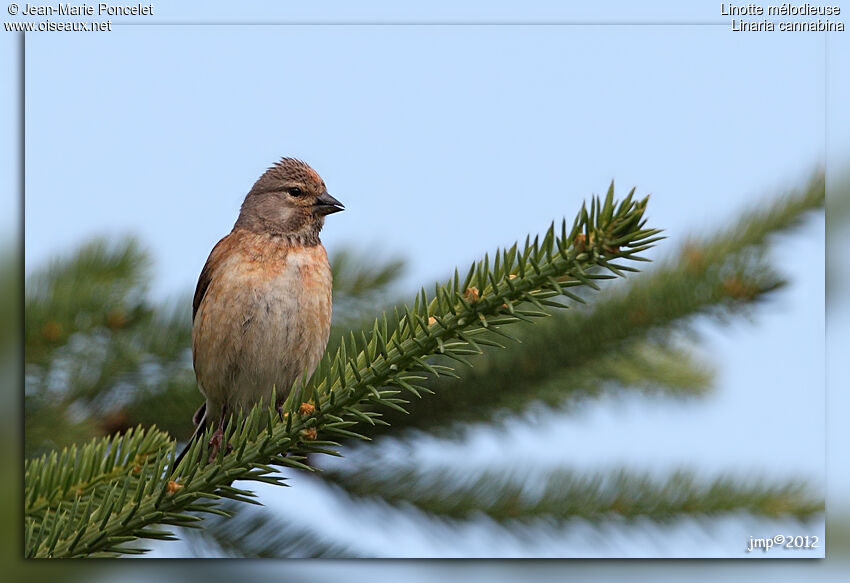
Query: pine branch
116, 455
462, 315
563, 495
252, 532
102, 286
361, 275
719, 276
94, 343
104, 371
649, 367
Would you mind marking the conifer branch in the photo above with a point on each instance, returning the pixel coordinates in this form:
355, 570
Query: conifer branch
562, 495
255, 532
76, 290
719, 275
94, 343
460, 318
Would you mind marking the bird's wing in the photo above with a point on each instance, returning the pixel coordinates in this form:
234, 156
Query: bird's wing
217, 255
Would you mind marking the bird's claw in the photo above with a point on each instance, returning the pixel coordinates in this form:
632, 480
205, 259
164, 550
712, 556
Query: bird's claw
215, 445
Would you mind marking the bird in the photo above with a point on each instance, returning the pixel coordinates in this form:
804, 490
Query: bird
261, 313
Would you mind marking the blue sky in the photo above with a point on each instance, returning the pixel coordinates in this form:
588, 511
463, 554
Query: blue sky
445, 141
478, 134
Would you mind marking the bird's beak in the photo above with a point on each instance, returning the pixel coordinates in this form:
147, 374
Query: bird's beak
326, 204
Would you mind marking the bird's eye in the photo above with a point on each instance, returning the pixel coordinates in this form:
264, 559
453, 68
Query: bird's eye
295, 191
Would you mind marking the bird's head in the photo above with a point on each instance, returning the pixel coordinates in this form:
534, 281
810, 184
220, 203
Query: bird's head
289, 199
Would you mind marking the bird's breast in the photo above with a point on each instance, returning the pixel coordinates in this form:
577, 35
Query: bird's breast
263, 322
295, 296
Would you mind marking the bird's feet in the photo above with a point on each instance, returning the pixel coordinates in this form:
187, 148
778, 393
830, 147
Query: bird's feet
215, 445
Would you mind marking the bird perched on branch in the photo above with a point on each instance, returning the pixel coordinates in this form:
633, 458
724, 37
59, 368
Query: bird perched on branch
261, 314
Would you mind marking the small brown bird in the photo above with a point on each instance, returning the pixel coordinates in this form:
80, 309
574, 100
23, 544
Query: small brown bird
262, 308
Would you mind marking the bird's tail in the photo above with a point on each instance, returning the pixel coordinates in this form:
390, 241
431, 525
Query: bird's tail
200, 421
